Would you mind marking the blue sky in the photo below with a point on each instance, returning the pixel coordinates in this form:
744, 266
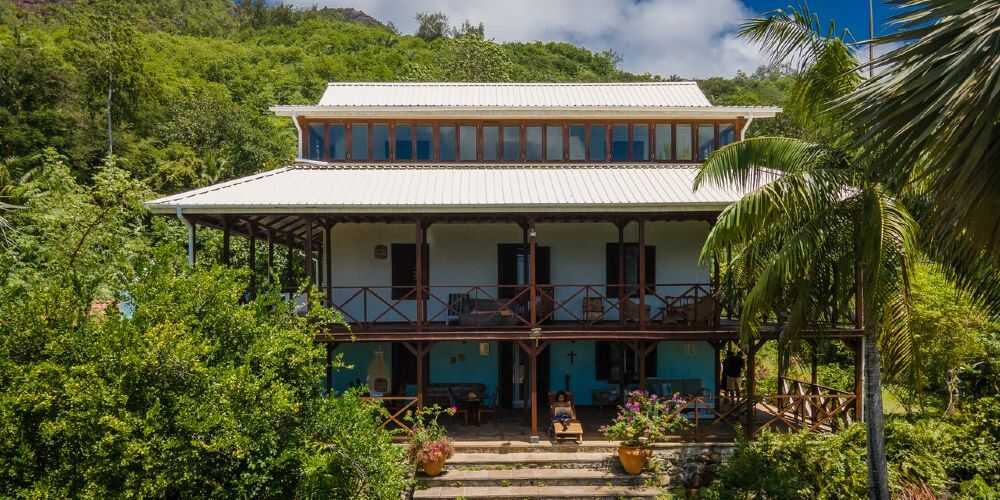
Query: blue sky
688, 38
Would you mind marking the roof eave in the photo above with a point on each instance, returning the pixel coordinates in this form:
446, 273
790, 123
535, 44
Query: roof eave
692, 112
196, 209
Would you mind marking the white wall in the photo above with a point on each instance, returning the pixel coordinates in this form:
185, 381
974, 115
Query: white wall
466, 254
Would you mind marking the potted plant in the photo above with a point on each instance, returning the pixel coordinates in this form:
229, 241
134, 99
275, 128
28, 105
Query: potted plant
642, 421
429, 446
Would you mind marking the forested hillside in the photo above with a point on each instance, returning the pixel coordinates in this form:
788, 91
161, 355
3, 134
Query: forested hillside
191, 81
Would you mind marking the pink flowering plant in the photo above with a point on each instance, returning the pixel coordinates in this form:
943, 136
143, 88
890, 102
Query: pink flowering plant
644, 419
429, 442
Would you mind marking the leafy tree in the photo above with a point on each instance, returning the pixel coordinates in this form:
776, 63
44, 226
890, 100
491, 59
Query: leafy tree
824, 209
471, 59
433, 25
931, 114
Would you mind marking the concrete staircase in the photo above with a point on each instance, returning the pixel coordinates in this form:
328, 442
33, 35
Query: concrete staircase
534, 470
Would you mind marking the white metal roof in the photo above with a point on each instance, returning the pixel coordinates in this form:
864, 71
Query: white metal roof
395, 99
519, 95
318, 187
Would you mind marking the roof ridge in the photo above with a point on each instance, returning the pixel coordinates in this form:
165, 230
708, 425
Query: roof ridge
319, 165
506, 84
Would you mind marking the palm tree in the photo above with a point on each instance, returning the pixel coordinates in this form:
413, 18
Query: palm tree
933, 114
817, 211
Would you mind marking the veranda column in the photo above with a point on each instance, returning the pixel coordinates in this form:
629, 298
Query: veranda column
225, 240
532, 277
270, 254
329, 265
420, 274
621, 272
717, 357
642, 280
252, 258
307, 248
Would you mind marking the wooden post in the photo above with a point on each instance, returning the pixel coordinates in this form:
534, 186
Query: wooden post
420, 274
859, 379
270, 253
419, 350
751, 386
252, 258
642, 277
290, 246
225, 241
533, 352
532, 269
329, 265
621, 272
329, 369
644, 350
717, 349
813, 363
307, 248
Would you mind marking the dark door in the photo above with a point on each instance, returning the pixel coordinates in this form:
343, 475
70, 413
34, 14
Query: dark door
506, 385
404, 368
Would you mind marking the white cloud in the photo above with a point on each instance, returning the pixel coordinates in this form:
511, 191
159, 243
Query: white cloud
690, 38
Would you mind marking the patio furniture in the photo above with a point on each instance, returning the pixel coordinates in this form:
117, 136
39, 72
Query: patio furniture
593, 309
605, 397
488, 407
565, 424
442, 394
693, 313
632, 310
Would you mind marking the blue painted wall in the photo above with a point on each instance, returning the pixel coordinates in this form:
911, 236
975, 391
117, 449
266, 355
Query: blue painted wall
581, 370
359, 354
460, 362
681, 360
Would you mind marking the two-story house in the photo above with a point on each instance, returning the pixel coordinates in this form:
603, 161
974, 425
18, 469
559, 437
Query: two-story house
507, 239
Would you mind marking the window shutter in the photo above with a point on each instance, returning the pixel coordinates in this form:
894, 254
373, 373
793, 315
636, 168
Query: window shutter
611, 269
651, 363
602, 360
650, 267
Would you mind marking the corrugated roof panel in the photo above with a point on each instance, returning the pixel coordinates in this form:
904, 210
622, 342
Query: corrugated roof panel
343, 187
516, 95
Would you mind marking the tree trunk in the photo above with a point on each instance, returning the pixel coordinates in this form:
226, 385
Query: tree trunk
878, 476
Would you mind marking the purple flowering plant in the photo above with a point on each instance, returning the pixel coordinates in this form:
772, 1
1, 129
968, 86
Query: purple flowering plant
643, 419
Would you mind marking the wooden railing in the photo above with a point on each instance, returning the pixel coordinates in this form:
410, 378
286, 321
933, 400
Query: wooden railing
394, 408
662, 306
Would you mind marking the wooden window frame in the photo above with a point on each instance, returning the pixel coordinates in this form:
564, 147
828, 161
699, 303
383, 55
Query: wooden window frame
521, 125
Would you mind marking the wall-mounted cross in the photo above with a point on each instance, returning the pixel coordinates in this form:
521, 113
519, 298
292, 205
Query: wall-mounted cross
572, 356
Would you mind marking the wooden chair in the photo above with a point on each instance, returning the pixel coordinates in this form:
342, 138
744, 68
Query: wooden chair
489, 406
570, 429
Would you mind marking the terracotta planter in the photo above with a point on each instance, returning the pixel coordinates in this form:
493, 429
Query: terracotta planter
433, 468
633, 459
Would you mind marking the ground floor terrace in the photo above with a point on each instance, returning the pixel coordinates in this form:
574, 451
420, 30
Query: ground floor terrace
502, 388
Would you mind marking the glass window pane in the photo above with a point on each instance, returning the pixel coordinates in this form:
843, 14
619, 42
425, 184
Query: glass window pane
448, 139
467, 148
380, 142
425, 142
577, 142
706, 140
663, 141
619, 143
640, 142
533, 143
727, 134
684, 142
404, 142
315, 149
511, 143
491, 138
337, 141
598, 143
553, 142
359, 141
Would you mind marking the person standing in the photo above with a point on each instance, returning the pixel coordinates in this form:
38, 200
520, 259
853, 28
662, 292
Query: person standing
732, 367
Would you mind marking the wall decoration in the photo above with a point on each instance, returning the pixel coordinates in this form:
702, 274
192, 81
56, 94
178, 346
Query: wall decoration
381, 252
484, 348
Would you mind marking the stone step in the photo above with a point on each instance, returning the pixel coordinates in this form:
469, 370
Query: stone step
488, 492
530, 459
534, 477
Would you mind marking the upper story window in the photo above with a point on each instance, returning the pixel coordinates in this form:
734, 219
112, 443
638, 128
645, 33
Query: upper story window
706, 140
337, 141
577, 142
533, 143
448, 142
404, 142
548, 140
619, 142
553, 142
